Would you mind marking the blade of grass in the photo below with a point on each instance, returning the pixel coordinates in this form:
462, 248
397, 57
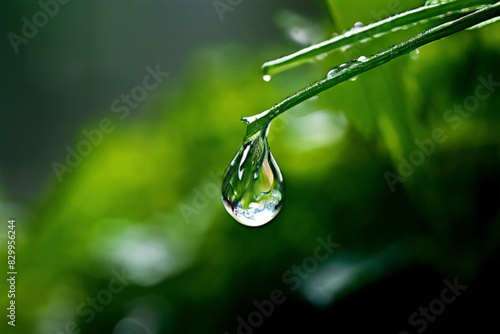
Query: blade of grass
412, 17
259, 122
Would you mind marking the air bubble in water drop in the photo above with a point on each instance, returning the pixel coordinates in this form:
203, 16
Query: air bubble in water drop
252, 190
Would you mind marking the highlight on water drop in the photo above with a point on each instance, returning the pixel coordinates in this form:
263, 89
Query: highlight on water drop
266, 78
252, 189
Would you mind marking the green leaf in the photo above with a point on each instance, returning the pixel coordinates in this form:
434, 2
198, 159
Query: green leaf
485, 23
374, 30
364, 64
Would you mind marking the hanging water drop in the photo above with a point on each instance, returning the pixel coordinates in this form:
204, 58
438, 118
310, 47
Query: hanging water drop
252, 190
354, 78
266, 78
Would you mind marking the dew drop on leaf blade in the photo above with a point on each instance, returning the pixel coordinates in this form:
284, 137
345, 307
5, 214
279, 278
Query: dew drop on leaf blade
362, 59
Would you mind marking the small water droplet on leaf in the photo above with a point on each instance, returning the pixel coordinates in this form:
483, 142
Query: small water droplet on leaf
414, 54
358, 25
331, 73
362, 59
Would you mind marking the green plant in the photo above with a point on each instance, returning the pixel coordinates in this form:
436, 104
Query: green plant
355, 67
252, 190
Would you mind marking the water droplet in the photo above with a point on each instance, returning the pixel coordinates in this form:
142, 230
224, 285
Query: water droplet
358, 25
321, 56
266, 78
252, 190
362, 59
354, 78
339, 69
414, 54
331, 73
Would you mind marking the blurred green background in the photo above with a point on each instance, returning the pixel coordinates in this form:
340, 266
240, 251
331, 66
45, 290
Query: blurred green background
143, 204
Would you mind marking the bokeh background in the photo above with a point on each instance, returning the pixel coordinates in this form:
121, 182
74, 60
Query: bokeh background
144, 205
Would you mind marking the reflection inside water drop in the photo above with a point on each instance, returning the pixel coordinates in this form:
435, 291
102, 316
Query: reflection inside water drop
252, 190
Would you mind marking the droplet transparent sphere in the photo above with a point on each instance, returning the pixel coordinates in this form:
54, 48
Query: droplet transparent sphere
252, 190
